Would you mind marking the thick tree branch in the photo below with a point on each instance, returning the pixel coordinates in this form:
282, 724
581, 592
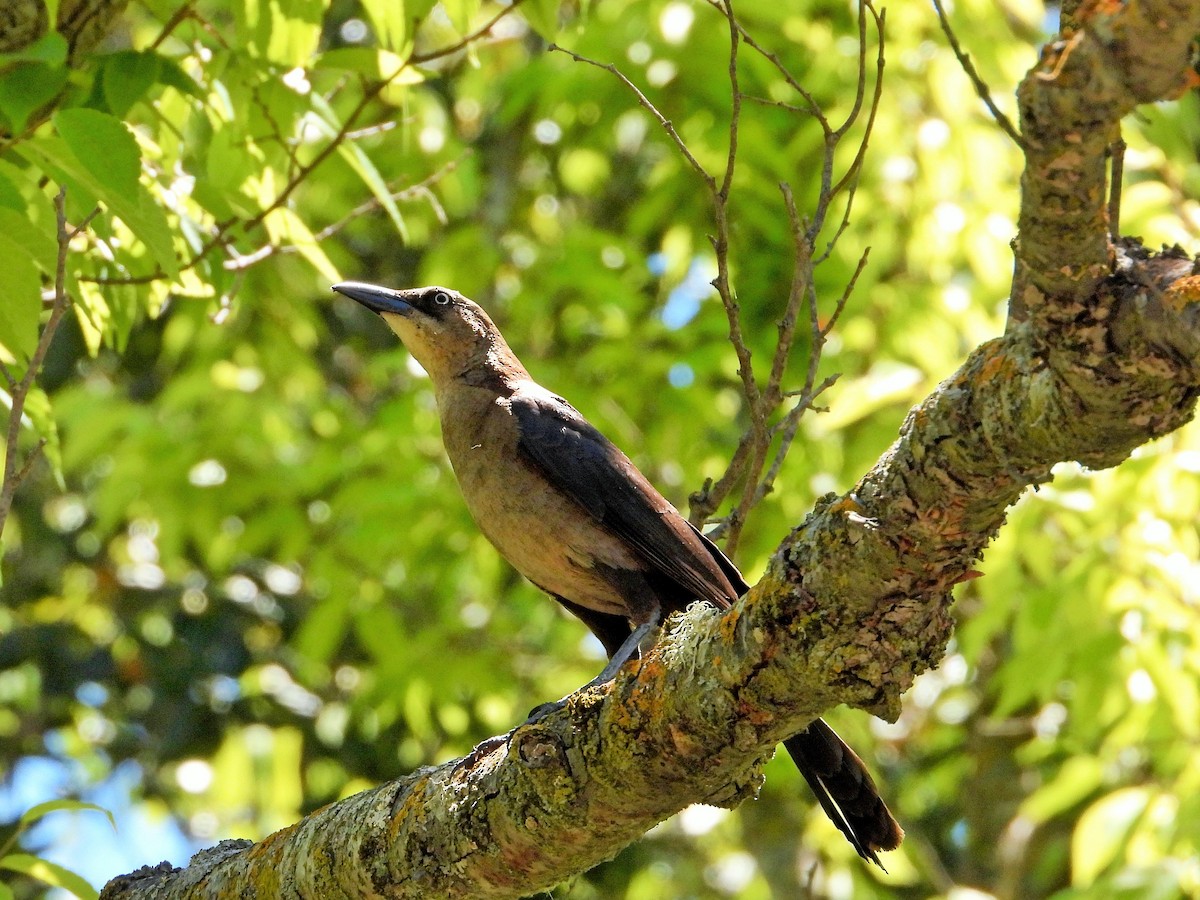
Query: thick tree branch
1071, 105
854, 604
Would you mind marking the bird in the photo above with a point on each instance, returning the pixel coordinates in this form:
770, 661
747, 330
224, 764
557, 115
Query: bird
577, 518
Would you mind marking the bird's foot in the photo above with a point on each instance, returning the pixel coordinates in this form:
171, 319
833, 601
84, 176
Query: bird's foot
482, 749
540, 712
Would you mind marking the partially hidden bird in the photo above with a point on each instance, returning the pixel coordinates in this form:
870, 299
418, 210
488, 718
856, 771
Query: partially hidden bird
573, 515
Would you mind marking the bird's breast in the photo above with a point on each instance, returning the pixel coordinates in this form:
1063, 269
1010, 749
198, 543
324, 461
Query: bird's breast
545, 535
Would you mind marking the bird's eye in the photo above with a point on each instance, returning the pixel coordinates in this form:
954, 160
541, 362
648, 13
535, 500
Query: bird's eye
441, 298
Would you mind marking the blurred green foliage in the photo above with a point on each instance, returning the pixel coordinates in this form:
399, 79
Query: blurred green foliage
248, 569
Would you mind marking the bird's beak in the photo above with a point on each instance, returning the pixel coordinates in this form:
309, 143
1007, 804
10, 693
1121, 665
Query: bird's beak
375, 298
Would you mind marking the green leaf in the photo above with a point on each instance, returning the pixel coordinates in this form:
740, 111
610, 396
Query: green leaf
37, 408
41, 246
42, 809
419, 9
126, 78
286, 229
461, 12
173, 75
21, 302
93, 314
295, 30
103, 146
389, 19
28, 87
323, 630
6, 893
98, 155
542, 16
51, 873
10, 195
361, 164
369, 61
1104, 830
50, 48
52, 10
1078, 778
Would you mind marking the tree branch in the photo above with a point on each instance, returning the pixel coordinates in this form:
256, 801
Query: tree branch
1071, 105
853, 606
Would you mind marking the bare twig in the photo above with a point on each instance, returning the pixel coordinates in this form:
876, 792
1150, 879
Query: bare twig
1116, 179
855, 167
19, 390
420, 188
185, 12
981, 88
746, 467
645, 103
801, 284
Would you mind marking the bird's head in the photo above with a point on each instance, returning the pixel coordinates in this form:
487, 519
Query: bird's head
447, 333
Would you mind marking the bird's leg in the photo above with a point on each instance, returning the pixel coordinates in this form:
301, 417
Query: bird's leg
630, 646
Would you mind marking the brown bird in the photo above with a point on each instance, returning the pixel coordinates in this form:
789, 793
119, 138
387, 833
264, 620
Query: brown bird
576, 517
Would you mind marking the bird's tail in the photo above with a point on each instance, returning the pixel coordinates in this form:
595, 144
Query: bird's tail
845, 790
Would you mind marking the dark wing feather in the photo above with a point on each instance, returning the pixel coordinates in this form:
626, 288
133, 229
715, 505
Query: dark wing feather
583, 464
724, 562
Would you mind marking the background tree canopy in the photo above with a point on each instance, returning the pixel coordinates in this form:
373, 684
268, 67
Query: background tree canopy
238, 580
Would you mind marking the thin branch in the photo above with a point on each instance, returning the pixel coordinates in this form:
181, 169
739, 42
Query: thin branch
420, 188
1116, 180
19, 394
645, 103
814, 108
801, 281
788, 426
735, 97
860, 82
855, 167
757, 433
450, 50
981, 88
177, 18
750, 458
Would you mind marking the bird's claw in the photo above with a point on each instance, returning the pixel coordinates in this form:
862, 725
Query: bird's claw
540, 712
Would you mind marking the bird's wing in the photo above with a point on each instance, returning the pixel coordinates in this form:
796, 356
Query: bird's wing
586, 466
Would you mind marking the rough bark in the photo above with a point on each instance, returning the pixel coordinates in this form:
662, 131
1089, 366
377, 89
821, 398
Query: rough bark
1102, 354
84, 23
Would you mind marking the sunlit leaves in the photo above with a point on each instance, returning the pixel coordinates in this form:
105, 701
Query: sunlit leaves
49, 873
96, 156
258, 425
23, 302
44, 870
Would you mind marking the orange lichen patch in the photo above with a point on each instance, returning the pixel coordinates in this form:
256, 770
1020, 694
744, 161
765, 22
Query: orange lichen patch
685, 744
846, 503
412, 804
1190, 81
728, 625
650, 669
754, 715
997, 364
1183, 292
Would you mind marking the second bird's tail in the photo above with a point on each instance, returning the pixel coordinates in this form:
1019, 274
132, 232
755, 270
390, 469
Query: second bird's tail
845, 790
